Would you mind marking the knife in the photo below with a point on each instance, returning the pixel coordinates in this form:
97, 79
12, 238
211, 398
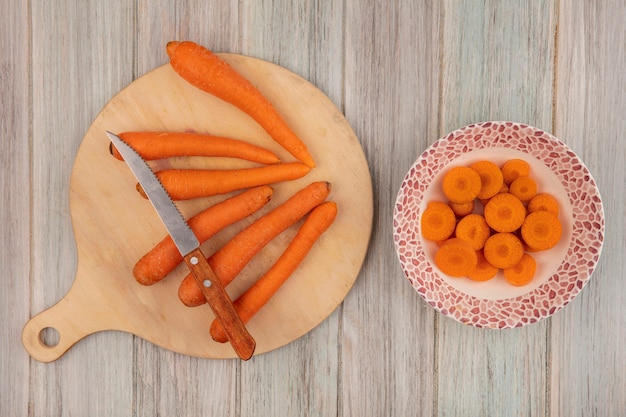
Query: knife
189, 247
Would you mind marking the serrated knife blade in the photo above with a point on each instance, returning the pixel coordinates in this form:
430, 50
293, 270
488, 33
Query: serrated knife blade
189, 247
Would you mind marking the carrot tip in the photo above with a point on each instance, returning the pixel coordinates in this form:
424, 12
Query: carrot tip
170, 47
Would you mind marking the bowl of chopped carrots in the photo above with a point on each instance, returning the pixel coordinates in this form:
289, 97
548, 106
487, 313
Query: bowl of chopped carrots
498, 225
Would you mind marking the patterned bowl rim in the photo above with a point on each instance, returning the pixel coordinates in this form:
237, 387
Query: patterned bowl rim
573, 272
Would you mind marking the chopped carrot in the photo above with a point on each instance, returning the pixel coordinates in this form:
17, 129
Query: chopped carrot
159, 145
205, 70
514, 168
437, 221
461, 184
462, 209
483, 271
544, 201
164, 257
523, 272
491, 179
186, 184
541, 230
474, 229
503, 250
524, 188
253, 299
231, 258
504, 212
456, 257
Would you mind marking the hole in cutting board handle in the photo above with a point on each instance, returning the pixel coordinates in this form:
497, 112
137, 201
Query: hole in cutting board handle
49, 337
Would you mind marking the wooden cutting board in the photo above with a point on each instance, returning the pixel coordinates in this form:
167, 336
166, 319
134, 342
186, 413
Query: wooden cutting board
114, 226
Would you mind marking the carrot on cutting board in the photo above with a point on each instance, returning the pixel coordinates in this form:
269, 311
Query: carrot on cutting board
164, 257
158, 145
253, 299
208, 72
229, 260
186, 184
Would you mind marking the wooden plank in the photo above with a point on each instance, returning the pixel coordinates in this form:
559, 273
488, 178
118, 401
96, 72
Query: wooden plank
588, 357
304, 37
387, 338
81, 55
497, 65
168, 383
15, 208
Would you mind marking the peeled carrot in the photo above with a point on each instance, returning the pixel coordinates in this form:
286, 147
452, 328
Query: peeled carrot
473, 229
164, 257
462, 209
514, 168
523, 272
541, 230
503, 250
208, 72
524, 188
438, 221
544, 201
461, 184
158, 145
186, 184
491, 179
456, 257
228, 261
504, 212
253, 299
483, 271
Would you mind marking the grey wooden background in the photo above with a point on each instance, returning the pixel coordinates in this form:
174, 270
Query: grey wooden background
404, 73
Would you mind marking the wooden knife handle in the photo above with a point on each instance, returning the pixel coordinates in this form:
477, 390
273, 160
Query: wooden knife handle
221, 304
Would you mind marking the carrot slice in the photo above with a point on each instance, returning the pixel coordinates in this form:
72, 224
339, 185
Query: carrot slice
503, 250
522, 273
208, 72
159, 145
462, 209
437, 221
491, 179
474, 229
541, 230
164, 257
456, 257
461, 184
483, 271
229, 260
544, 201
514, 168
524, 188
504, 212
186, 184
253, 299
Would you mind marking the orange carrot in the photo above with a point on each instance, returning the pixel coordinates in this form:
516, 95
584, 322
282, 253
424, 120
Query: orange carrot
541, 230
514, 168
524, 188
186, 184
208, 72
462, 209
523, 272
228, 261
503, 250
253, 299
456, 257
438, 221
484, 271
158, 145
491, 179
164, 257
473, 229
544, 201
504, 212
461, 184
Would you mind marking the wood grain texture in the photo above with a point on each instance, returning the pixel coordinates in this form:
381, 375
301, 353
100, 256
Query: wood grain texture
15, 229
497, 65
391, 95
588, 361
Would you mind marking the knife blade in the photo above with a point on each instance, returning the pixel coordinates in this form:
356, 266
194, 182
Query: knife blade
189, 247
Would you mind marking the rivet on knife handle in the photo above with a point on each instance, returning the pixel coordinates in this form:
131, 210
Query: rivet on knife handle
221, 304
